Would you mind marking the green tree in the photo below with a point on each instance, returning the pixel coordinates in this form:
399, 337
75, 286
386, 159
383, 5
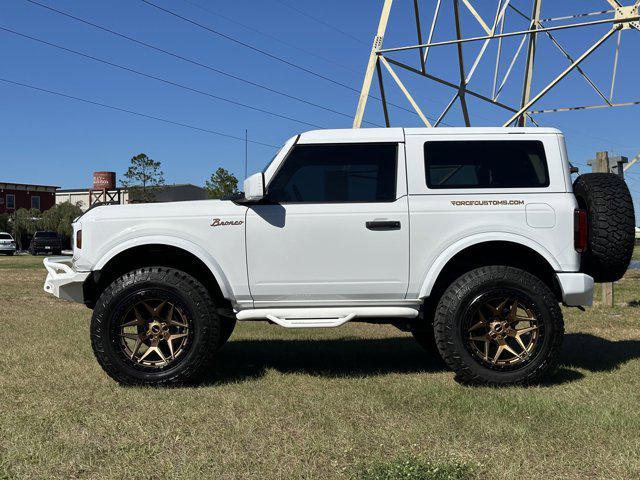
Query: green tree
142, 178
60, 217
221, 184
25, 222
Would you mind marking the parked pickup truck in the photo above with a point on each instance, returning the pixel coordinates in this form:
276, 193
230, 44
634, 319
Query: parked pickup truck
469, 238
45, 242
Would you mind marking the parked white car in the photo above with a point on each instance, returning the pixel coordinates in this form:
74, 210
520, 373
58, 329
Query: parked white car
470, 238
7, 244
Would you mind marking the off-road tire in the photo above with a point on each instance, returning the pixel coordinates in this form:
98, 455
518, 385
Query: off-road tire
611, 225
173, 284
449, 320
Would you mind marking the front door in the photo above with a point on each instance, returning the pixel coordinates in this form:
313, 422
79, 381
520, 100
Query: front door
334, 228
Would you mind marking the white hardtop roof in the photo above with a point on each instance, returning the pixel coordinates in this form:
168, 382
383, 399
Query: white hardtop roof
480, 130
344, 135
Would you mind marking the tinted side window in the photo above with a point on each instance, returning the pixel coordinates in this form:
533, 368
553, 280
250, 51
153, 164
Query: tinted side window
486, 164
337, 173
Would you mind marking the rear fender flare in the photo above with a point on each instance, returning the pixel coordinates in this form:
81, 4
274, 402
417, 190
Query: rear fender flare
431, 275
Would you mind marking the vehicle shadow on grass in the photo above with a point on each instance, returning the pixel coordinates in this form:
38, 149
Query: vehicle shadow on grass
597, 354
360, 357
341, 358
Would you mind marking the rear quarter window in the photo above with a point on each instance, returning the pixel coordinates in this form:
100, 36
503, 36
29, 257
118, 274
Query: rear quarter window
486, 164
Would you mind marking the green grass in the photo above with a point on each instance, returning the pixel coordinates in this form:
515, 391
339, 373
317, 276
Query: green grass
414, 469
360, 401
21, 261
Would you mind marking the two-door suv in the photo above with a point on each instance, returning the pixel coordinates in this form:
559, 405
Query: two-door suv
469, 238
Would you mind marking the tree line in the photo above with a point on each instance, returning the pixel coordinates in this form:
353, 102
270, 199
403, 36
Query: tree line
145, 176
142, 178
23, 223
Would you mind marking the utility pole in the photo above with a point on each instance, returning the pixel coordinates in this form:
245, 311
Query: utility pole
601, 165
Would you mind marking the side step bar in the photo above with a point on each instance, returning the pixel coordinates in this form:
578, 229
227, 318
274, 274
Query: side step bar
323, 317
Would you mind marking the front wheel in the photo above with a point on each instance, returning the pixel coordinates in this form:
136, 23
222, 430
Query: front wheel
155, 326
498, 326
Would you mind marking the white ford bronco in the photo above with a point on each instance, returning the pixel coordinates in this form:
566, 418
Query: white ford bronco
469, 238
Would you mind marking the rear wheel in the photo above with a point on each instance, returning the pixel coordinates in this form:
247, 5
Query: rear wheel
499, 325
155, 326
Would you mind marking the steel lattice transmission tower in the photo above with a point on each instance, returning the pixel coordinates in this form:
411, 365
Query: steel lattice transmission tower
617, 18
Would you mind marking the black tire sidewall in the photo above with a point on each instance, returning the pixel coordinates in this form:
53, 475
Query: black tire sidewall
455, 304
157, 283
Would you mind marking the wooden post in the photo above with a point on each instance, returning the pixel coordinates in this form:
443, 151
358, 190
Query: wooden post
601, 164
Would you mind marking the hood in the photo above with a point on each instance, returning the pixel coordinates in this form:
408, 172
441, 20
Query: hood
163, 210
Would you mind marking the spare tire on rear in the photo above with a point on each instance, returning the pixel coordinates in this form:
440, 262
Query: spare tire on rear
611, 225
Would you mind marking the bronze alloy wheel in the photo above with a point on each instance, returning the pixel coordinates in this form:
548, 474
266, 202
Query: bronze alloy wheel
503, 332
153, 333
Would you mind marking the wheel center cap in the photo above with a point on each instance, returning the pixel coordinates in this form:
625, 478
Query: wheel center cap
156, 329
498, 329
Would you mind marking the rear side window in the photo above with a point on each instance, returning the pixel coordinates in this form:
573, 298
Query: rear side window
337, 173
486, 164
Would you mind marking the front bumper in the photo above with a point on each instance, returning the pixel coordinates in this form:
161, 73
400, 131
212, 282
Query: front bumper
577, 289
63, 281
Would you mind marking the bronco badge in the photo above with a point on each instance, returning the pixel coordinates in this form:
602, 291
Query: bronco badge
223, 223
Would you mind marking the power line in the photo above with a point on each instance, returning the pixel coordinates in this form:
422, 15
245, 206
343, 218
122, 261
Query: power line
189, 60
159, 79
268, 35
132, 112
270, 55
321, 22
247, 45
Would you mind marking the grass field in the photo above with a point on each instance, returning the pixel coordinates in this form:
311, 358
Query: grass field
355, 402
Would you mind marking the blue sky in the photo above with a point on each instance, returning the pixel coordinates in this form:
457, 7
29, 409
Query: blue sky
52, 140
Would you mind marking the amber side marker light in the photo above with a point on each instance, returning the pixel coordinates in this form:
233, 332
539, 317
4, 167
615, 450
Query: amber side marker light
580, 230
79, 239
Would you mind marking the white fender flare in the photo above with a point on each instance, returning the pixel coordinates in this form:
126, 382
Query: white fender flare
172, 241
432, 274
